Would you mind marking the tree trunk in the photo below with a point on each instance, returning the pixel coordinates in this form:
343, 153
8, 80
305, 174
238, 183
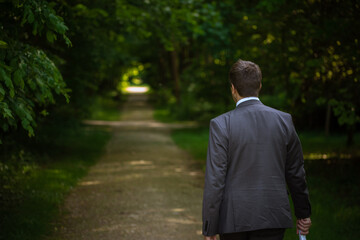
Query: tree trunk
175, 74
327, 120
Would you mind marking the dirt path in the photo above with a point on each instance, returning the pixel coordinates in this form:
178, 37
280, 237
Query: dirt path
143, 187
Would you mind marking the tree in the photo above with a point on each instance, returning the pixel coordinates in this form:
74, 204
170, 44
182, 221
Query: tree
28, 77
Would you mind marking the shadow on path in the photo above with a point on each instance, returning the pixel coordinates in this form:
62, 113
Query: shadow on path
143, 187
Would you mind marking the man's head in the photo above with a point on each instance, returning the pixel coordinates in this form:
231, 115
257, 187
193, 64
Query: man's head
245, 76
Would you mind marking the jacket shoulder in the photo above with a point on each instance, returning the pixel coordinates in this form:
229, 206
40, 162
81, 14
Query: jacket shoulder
221, 123
281, 114
222, 119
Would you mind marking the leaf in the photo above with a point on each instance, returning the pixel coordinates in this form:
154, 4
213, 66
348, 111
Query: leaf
25, 16
61, 27
35, 28
18, 78
50, 36
2, 95
2, 91
31, 83
8, 82
3, 44
30, 131
31, 17
67, 41
10, 85
26, 125
44, 113
53, 19
7, 113
6, 67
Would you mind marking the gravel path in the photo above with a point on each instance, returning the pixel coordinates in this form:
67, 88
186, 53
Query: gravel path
143, 187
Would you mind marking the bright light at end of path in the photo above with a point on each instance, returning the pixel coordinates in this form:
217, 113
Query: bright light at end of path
137, 89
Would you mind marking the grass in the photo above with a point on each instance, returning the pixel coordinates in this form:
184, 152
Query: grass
333, 182
163, 115
107, 109
317, 145
41, 185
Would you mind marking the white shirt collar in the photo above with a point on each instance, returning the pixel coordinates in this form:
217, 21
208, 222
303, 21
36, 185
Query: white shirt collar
246, 99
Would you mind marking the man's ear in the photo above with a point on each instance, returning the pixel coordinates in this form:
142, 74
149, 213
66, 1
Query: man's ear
233, 90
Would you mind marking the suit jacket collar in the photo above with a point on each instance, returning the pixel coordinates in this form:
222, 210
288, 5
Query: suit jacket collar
249, 103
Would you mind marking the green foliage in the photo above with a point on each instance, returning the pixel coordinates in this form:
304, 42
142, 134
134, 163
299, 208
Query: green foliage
171, 23
194, 141
34, 184
308, 61
92, 68
106, 108
28, 77
43, 18
345, 112
334, 197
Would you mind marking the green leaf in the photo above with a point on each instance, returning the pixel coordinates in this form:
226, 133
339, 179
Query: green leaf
8, 82
50, 36
67, 41
10, 85
7, 113
2, 94
26, 125
35, 28
2, 91
26, 13
44, 113
31, 17
53, 19
3, 44
5, 67
31, 83
18, 78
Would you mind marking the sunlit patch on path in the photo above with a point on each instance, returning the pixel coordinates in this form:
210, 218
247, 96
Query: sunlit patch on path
144, 186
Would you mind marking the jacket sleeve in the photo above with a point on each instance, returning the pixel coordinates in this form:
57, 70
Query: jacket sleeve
295, 175
215, 174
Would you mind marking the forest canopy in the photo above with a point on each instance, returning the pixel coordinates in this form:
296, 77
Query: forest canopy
54, 52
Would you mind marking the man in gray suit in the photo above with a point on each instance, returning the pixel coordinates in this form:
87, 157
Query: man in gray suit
254, 154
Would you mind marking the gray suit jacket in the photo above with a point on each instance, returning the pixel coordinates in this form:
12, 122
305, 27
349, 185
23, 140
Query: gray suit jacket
253, 154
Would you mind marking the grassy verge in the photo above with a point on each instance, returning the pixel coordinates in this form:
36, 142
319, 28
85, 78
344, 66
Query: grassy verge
107, 109
44, 179
333, 184
163, 115
318, 146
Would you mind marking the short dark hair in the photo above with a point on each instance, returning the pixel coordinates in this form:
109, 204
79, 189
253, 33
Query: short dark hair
246, 78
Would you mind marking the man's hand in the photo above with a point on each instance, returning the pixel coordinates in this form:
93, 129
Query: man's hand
303, 225
210, 237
